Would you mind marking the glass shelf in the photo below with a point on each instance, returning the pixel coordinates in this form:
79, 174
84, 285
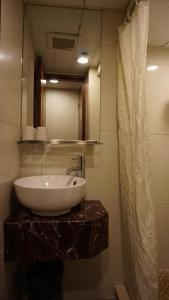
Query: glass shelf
61, 142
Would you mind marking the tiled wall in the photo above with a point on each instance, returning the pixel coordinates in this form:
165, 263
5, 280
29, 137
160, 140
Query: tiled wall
158, 114
10, 99
93, 279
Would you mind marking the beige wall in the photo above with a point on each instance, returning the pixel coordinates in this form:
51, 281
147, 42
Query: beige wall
93, 106
10, 91
61, 110
95, 278
158, 114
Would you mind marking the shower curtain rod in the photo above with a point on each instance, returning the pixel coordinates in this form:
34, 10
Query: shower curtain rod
130, 8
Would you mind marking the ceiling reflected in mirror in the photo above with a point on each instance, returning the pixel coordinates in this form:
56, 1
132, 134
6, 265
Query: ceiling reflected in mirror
61, 35
57, 91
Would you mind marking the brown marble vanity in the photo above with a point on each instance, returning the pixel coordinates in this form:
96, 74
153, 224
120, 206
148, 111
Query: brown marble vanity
82, 233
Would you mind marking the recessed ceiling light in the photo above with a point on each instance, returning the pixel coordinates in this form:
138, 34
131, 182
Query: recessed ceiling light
152, 68
83, 58
53, 80
43, 81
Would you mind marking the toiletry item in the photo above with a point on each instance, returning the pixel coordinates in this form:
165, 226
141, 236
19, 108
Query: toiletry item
41, 134
28, 133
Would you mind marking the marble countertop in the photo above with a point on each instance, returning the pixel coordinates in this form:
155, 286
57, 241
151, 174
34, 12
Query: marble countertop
82, 233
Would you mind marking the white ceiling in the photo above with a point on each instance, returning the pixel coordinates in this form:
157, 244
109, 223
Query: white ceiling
45, 21
114, 4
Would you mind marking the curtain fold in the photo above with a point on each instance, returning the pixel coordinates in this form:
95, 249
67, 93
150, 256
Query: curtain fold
138, 218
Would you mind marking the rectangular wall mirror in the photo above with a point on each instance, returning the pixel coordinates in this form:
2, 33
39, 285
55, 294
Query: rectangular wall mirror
57, 91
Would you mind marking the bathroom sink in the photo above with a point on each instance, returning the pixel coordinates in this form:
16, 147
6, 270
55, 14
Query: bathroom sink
50, 195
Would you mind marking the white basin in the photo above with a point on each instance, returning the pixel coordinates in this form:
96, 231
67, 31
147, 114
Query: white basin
50, 195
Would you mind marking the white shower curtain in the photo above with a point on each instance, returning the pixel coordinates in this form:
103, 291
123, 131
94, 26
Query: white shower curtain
138, 219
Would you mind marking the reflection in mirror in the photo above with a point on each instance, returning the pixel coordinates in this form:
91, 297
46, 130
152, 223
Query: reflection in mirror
57, 91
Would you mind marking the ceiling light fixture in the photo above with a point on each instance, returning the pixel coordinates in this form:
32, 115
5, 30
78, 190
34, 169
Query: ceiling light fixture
43, 81
83, 58
54, 81
152, 68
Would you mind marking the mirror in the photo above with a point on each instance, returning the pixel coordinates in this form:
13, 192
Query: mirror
57, 91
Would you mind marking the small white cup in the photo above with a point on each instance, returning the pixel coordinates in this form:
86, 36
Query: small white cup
28, 133
41, 134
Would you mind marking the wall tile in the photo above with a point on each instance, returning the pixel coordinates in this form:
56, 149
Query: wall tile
47, 160
111, 21
162, 235
159, 148
9, 163
10, 103
158, 116
56, 160
10, 61
31, 159
158, 100
9, 170
102, 174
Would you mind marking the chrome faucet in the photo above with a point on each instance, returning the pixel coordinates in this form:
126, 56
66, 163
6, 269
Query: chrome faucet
79, 169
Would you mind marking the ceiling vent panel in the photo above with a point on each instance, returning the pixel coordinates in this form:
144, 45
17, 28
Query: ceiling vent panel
64, 44
58, 41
